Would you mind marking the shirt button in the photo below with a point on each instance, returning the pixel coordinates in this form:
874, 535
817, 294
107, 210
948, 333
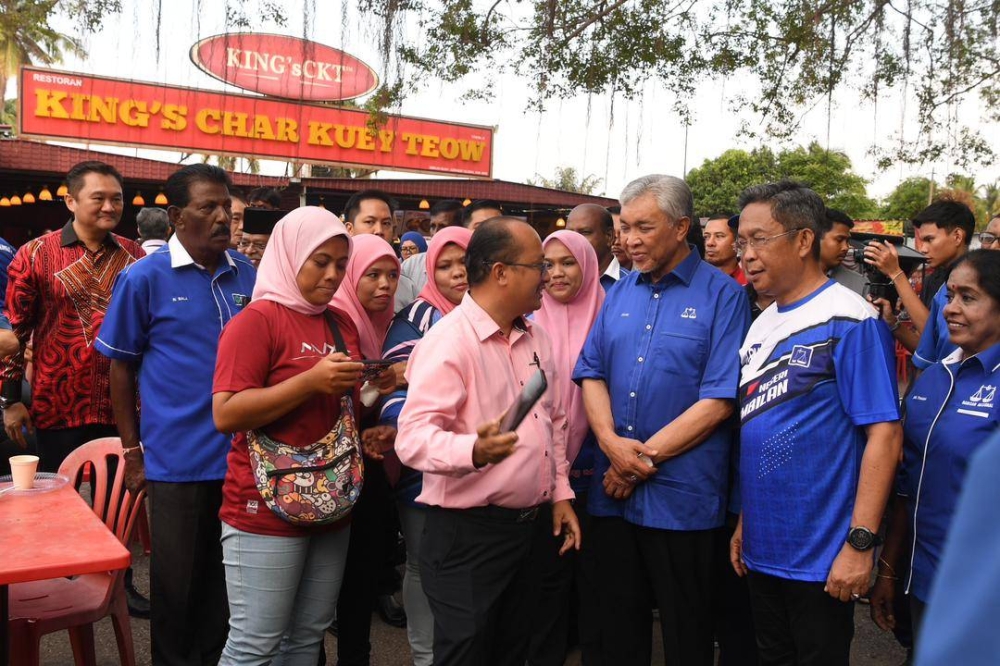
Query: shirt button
656, 295
632, 394
640, 359
630, 428
648, 326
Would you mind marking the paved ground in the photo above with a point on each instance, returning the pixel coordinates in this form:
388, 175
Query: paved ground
871, 646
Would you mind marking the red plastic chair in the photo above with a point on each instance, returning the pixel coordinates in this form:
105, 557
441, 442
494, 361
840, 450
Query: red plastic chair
902, 363
74, 604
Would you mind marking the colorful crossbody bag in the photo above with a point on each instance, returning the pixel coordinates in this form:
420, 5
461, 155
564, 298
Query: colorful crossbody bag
316, 484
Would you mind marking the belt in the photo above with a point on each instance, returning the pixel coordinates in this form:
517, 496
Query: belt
504, 514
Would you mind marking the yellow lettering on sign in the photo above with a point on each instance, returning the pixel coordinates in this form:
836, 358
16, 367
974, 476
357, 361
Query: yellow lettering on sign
319, 134
48, 104
472, 151
411, 142
134, 113
103, 109
234, 124
174, 117
262, 128
430, 147
345, 136
206, 116
78, 103
288, 130
366, 140
385, 138
449, 148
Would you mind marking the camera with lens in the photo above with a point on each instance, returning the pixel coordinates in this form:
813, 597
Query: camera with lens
877, 283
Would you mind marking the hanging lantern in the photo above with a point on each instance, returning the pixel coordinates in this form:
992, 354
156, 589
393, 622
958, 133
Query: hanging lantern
45, 195
29, 198
560, 223
4, 202
424, 204
161, 199
62, 191
138, 200
467, 202
15, 200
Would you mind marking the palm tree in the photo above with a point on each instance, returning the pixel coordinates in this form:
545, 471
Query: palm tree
27, 39
991, 198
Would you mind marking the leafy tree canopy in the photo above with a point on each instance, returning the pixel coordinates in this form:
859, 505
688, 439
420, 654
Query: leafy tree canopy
717, 183
567, 180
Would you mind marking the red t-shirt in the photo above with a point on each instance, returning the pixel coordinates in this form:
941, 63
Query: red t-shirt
262, 346
739, 276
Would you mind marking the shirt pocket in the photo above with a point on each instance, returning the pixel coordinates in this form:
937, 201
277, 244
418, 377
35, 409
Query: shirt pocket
680, 355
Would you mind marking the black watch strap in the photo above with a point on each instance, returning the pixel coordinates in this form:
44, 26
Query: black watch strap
11, 392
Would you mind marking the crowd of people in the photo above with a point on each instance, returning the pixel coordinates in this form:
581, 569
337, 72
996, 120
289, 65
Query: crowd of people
720, 439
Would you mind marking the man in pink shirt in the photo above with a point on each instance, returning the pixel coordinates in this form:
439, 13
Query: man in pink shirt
493, 496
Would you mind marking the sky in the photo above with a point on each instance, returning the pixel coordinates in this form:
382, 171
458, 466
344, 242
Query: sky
642, 137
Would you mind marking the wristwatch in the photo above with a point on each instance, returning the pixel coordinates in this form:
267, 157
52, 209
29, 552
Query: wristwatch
862, 538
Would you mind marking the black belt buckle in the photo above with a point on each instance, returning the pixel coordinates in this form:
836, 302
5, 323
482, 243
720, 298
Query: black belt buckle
527, 515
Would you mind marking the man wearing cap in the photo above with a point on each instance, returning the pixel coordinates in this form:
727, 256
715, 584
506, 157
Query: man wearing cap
720, 235
258, 224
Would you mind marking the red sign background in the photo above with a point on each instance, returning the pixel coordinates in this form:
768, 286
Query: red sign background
63, 105
283, 66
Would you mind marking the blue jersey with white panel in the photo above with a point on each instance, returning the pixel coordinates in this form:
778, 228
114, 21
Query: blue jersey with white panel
815, 372
950, 413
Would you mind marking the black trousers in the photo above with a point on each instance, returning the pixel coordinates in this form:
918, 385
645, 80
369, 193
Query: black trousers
733, 617
478, 572
189, 608
568, 586
640, 565
365, 559
54, 444
799, 624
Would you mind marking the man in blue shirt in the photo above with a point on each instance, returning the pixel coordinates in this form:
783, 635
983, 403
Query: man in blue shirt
162, 330
820, 435
659, 373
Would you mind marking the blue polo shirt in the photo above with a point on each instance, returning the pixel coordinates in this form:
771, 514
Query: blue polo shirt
660, 348
950, 413
934, 343
166, 314
961, 620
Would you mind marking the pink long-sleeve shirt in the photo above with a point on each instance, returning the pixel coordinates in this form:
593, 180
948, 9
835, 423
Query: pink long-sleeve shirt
466, 372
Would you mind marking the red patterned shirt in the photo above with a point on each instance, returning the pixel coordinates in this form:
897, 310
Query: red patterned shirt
59, 290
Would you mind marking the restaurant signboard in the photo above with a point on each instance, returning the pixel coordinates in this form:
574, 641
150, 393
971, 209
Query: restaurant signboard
283, 66
78, 107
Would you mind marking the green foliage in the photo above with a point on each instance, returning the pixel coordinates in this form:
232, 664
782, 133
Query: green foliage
26, 38
799, 53
717, 183
909, 198
567, 180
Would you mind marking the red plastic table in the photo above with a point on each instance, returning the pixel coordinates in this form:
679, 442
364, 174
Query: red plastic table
48, 535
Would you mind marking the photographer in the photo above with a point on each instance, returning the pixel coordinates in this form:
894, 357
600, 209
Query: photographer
945, 229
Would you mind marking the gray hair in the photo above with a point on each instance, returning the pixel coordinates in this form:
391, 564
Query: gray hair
793, 206
152, 223
673, 196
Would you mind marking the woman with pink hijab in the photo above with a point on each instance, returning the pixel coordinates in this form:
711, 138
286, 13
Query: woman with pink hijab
280, 370
570, 303
446, 286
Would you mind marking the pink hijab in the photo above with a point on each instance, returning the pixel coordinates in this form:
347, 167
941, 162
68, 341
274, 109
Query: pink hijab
368, 249
568, 326
296, 236
460, 236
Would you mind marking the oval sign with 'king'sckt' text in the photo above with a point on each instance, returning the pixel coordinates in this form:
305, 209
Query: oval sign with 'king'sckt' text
283, 66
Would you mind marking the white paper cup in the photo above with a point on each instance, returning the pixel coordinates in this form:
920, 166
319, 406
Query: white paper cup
22, 469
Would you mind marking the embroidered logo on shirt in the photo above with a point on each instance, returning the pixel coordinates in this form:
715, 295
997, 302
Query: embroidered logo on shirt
324, 351
689, 313
176, 299
983, 397
241, 300
801, 356
252, 507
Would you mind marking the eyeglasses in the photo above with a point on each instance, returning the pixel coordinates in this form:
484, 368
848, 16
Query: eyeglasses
246, 245
987, 239
740, 246
541, 267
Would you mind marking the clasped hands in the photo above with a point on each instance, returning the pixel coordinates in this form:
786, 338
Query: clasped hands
631, 464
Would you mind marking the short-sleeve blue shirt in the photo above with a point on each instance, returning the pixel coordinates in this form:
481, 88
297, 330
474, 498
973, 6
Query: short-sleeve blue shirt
166, 315
950, 413
660, 348
934, 345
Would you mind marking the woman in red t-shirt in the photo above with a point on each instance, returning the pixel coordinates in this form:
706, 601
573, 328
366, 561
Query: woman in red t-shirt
279, 370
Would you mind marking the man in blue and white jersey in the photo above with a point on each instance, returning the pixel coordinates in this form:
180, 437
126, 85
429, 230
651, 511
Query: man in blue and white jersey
820, 435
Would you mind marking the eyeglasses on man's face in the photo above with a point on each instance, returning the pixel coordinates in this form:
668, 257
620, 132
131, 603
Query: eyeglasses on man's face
246, 245
987, 239
758, 243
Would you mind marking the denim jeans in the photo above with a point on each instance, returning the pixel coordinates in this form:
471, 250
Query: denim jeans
282, 595
419, 619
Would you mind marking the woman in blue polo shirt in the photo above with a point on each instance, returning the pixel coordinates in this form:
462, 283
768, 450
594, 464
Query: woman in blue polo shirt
950, 413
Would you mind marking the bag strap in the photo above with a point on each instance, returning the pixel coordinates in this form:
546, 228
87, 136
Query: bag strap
338, 339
